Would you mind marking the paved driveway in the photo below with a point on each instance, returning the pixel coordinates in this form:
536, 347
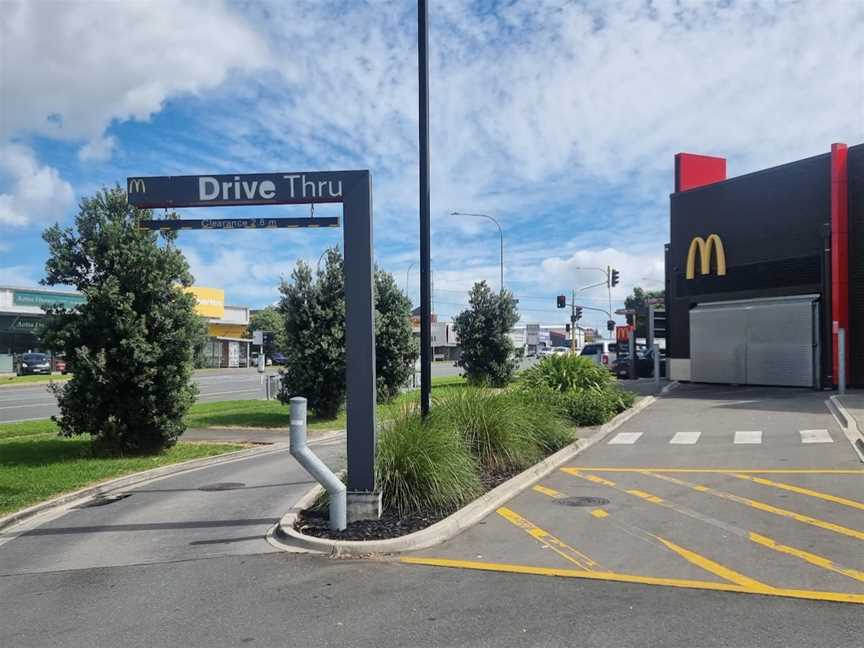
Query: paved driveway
732, 489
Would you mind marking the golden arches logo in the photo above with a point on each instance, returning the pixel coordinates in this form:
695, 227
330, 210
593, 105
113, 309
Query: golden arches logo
705, 247
136, 185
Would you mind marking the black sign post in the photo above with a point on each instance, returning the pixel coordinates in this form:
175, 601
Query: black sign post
351, 188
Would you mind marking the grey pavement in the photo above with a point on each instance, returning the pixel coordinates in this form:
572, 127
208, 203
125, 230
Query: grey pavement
181, 562
711, 487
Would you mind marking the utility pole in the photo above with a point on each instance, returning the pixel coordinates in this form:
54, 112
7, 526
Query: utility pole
573, 323
425, 234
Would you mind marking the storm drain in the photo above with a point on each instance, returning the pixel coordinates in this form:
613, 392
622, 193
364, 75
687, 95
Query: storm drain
222, 486
103, 500
582, 501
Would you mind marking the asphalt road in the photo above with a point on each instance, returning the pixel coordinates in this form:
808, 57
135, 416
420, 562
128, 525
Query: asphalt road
179, 563
22, 403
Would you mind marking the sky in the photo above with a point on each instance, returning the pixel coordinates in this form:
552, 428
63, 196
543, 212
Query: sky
558, 118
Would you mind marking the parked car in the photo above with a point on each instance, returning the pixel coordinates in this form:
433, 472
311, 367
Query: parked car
560, 350
545, 351
60, 365
602, 352
644, 364
279, 358
34, 363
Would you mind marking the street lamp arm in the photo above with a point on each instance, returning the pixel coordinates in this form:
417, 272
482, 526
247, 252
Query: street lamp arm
500, 233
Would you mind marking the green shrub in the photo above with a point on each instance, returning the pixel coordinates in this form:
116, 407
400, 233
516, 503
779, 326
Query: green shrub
591, 406
565, 373
423, 466
493, 426
545, 416
624, 399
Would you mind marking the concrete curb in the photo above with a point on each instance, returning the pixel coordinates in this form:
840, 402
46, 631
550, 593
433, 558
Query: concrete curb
82, 495
849, 425
283, 535
668, 388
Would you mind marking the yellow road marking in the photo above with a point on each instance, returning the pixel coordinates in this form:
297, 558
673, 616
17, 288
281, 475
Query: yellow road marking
714, 567
646, 496
804, 491
762, 506
812, 595
561, 548
592, 478
599, 513
811, 558
759, 539
551, 492
766, 471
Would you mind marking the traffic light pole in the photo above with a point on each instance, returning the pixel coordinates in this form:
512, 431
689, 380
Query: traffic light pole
573, 323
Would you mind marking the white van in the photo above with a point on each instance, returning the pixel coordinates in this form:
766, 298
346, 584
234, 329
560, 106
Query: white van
602, 352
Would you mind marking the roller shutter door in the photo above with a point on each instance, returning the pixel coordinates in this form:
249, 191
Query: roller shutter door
755, 342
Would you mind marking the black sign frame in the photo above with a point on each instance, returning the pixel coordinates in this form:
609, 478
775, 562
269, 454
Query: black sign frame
354, 190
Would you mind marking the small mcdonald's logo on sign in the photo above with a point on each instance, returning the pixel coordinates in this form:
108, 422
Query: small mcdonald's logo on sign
136, 185
705, 248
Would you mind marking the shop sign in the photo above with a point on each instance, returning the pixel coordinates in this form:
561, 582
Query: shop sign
209, 302
38, 298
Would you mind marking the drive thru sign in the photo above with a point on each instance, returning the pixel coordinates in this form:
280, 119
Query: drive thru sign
351, 188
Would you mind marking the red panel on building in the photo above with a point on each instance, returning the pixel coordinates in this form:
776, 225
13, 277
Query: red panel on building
839, 251
693, 171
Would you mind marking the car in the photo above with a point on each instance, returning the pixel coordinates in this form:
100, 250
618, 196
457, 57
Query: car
34, 363
544, 352
60, 365
560, 350
602, 352
279, 358
644, 364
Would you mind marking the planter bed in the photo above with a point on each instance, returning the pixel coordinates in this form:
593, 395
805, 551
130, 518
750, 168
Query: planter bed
314, 522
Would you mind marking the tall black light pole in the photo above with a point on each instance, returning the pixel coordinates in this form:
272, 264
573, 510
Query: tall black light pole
425, 235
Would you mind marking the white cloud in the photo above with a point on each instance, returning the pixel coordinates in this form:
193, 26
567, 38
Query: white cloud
18, 275
74, 67
99, 149
36, 193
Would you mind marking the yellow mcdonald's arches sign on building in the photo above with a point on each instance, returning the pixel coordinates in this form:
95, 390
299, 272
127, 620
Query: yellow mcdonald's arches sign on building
705, 247
210, 302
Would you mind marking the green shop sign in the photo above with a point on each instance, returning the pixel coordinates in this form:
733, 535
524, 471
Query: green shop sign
21, 323
36, 298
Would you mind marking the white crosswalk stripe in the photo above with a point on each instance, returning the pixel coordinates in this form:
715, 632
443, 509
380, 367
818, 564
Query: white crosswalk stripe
625, 438
685, 438
742, 437
748, 437
816, 436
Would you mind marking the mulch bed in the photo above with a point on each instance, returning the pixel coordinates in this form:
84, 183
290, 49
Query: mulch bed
314, 523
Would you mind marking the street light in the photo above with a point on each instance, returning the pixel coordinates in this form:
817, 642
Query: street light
500, 232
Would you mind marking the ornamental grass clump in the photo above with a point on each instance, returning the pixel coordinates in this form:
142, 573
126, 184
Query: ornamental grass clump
565, 373
545, 417
493, 426
423, 467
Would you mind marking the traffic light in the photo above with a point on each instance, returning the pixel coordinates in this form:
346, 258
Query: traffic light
610, 325
614, 278
577, 312
562, 301
567, 327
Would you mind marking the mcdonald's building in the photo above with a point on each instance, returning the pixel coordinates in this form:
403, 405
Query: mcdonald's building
764, 270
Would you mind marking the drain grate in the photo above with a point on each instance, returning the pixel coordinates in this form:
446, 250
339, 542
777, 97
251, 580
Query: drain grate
582, 501
222, 486
103, 500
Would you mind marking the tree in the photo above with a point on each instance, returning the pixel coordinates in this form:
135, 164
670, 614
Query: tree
314, 312
270, 319
130, 347
487, 351
202, 336
638, 302
395, 348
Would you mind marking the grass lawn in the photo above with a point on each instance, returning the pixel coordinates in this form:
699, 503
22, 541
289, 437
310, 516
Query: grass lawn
273, 414
36, 465
11, 379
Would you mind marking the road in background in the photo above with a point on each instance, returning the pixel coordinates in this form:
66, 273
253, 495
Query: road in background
36, 402
29, 402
